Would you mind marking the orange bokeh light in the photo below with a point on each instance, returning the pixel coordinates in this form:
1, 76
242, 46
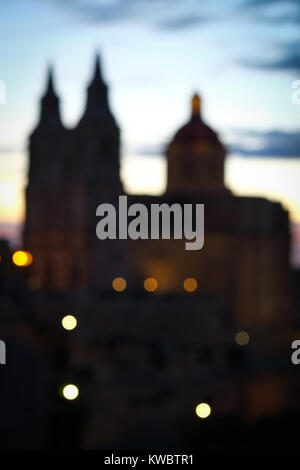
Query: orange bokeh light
119, 284
22, 258
190, 284
150, 284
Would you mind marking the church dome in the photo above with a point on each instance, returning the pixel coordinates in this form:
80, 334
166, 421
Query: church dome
195, 129
195, 157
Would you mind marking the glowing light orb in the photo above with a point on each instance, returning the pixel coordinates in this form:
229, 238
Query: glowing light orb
69, 322
242, 338
150, 284
190, 284
203, 410
22, 258
70, 392
119, 284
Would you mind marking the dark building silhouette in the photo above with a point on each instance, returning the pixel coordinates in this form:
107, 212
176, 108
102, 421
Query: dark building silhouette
70, 172
245, 261
143, 360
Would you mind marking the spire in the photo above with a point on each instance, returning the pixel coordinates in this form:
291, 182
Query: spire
97, 77
97, 101
50, 101
196, 107
50, 81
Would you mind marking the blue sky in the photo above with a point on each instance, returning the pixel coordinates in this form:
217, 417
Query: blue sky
240, 55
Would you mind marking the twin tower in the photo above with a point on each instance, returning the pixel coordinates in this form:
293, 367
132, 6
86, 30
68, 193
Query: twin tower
70, 173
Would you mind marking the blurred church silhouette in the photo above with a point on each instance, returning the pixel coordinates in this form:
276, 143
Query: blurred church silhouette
245, 260
142, 358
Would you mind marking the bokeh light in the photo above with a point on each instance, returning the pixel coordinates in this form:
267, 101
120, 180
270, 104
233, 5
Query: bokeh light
70, 392
150, 284
69, 322
242, 338
119, 284
203, 410
190, 284
22, 258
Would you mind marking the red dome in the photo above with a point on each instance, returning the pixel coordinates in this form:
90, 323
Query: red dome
195, 129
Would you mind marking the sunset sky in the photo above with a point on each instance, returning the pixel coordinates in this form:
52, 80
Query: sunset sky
242, 56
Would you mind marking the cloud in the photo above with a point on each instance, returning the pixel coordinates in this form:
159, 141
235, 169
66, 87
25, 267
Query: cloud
263, 3
272, 144
182, 15
287, 61
154, 12
247, 143
275, 11
183, 22
105, 12
101, 12
150, 150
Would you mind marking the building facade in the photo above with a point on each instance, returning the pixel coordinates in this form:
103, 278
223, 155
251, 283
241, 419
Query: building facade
245, 259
